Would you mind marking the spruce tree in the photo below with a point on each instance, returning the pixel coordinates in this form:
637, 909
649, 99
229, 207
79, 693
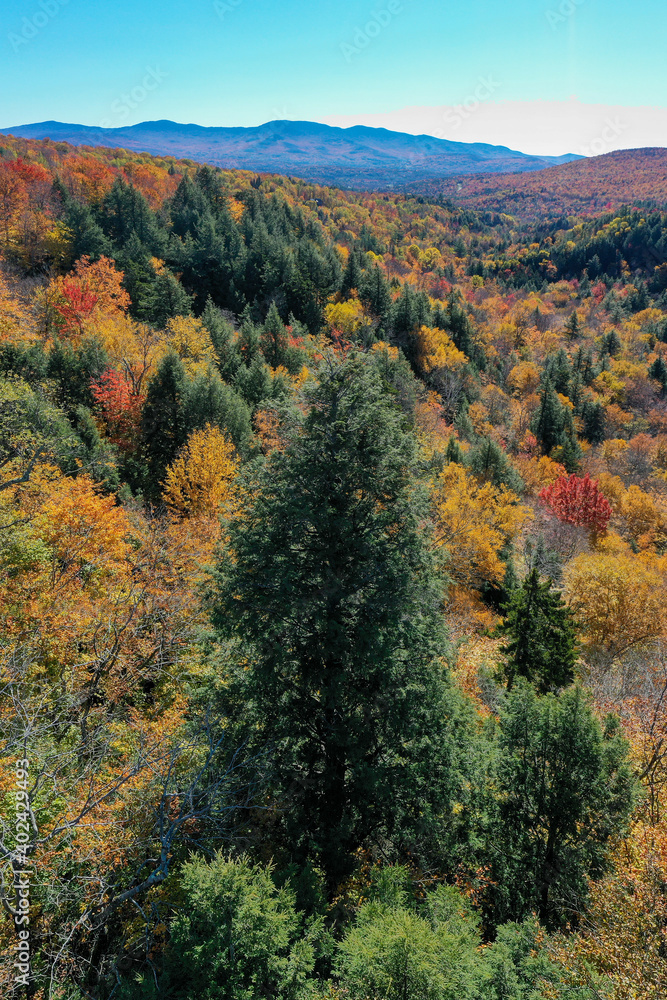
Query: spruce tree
374, 292
488, 461
163, 421
594, 422
658, 371
548, 422
564, 791
352, 275
541, 639
573, 327
274, 338
335, 602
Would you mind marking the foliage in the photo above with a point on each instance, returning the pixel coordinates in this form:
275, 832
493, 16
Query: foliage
237, 937
580, 502
541, 640
335, 597
199, 480
564, 792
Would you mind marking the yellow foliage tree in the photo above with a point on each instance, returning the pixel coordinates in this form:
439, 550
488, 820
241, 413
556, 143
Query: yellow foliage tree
538, 472
14, 320
618, 599
474, 521
190, 339
436, 350
643, 517
346, 317
524, 378
199, 481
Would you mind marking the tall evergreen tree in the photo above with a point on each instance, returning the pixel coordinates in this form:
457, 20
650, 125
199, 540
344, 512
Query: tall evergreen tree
563, 791
374, 292
163, 421
541, 639
274, 338
352, 276
549, 420
334, 599
488, 461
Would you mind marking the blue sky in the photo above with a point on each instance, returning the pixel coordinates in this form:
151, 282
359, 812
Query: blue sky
243, 62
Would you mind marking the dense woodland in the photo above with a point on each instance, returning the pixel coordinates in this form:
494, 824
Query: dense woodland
334, 566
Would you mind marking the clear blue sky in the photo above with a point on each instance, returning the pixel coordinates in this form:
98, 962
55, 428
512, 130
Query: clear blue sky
243, 62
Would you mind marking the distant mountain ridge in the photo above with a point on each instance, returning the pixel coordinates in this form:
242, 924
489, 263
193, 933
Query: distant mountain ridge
358, 157
587, 187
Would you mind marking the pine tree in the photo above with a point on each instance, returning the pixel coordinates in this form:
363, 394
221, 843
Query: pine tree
564, 792
352, 276
542, 642
573, 327
594, 422
488, 461
274, 338
334, 599
163, 421
223, 339
549, 420
374, 292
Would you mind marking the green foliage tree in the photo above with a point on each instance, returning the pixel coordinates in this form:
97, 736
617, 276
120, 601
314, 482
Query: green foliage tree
207, 400
394, 953
563, 790
163, 428
352, 276
542, 641
594, 421
554, 428
237, 937
223, 339
488, 461
334, 598
274, 338
374, 292
573, 327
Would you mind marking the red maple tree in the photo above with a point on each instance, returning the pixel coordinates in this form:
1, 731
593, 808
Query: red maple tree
120, 407
578, 501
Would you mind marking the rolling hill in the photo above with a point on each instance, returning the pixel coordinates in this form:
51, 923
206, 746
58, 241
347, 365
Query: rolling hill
585, 187
357, 157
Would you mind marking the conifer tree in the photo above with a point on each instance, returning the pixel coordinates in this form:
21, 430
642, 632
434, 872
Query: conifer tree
541, 639
163, 421
548, 422
573, 327
334, 599
374, 292
352, 276
564, 790
274, 338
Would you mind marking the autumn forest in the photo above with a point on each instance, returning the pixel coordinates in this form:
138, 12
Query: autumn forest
333, 538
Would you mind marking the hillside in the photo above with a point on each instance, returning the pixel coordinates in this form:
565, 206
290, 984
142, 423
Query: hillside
334, 527
584, 187
358, 157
